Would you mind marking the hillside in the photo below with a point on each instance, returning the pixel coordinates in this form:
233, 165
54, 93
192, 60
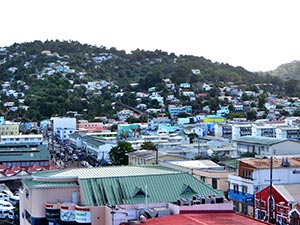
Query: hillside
55, 77
288, 71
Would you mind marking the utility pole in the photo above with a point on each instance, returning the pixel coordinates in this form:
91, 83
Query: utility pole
271, 200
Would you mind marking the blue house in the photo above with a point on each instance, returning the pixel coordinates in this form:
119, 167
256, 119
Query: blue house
175, 110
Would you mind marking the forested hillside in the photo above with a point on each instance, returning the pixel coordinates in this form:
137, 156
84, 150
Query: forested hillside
55, 77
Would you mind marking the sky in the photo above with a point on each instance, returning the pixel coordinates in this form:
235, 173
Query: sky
258, 35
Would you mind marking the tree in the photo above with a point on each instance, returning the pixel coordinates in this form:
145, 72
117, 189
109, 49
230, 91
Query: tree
193, 136
118, 153
251, 115
214, 104
148, 145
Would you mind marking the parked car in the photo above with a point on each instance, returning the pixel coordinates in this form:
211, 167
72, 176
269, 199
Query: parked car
6, 205
7, 195
7, 213
75, 157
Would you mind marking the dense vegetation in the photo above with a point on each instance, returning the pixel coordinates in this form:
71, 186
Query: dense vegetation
61, 92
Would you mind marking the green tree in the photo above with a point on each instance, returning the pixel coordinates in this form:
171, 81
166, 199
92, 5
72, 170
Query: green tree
296, 113
214, 104
193, 136
148, 145
251, 115
118, 153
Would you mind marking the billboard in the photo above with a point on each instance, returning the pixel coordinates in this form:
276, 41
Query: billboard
67, 212
82, 214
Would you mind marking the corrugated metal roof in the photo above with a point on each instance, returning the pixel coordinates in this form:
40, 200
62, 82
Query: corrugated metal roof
37, 184
125, 184
92, 141
24, 153
146, 154
167, 187
289, 191
259, 140
102, 172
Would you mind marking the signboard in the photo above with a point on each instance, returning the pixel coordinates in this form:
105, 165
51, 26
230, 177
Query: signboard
67, 213
214, 120
249, 199
82, 214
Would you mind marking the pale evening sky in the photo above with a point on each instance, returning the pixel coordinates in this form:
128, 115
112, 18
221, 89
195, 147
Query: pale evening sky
258, 35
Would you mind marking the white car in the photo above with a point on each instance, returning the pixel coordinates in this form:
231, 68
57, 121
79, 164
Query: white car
7, 213
7, 195
6, 205
75, 157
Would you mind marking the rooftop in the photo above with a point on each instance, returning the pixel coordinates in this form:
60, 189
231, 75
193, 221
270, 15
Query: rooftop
116, 185
147, 154
259, 140
18, 152
289, 191
197, 164
265, 163
105, 172
204, 219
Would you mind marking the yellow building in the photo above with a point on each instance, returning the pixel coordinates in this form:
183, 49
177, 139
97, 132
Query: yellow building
9, 129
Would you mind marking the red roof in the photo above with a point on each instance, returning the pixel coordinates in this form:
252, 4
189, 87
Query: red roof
205, 219
2, 168
9, 172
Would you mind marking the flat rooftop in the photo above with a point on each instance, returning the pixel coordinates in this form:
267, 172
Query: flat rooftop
205, 219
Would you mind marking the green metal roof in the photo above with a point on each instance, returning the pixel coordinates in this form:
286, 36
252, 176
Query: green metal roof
167, 187
37, 184
24, 153
125, 184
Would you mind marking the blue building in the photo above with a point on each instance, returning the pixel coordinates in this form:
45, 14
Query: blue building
175, 110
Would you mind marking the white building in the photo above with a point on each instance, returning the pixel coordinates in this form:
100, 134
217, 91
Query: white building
241, 130
264, 130
24, 139
266, 146
62, 127
63, 122
254, 174
288, 132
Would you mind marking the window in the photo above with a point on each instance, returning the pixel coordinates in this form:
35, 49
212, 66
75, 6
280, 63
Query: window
27, 193
244, 190
214, 183
247, 174
28, 216
244, 208
261, 214
294, 218
235, 188
202, 178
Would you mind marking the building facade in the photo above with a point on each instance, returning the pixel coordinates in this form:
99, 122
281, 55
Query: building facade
276, 204
254, 174
109, 195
